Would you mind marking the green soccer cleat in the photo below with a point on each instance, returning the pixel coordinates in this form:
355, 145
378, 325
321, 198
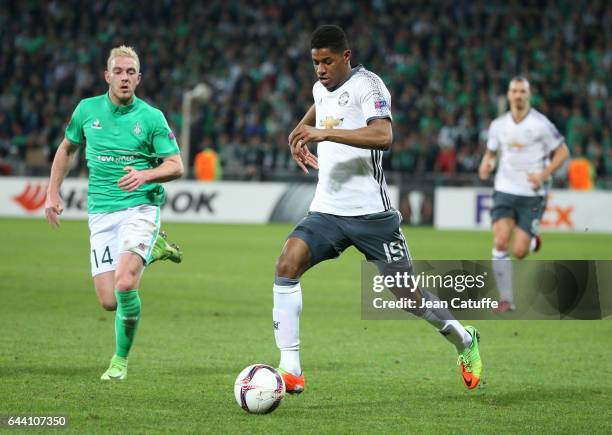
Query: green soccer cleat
470, 362
162, 250
117, 371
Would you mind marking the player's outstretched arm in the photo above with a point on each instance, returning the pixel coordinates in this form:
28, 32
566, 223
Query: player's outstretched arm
377, 135
170, 169
487, 164
62, 162
559, 156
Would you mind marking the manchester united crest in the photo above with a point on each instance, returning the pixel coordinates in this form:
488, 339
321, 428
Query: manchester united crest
343, 99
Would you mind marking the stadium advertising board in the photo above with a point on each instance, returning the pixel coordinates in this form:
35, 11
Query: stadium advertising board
187, 201
469, 208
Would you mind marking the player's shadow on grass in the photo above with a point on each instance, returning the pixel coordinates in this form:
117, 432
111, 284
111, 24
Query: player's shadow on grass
66, 371
540, 394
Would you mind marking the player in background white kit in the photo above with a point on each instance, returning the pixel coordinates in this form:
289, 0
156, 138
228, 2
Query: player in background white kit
531, 150
350, 121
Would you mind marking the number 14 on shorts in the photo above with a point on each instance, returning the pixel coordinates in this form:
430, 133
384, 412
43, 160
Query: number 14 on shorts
106, 256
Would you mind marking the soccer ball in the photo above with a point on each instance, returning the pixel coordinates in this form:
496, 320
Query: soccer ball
259, 389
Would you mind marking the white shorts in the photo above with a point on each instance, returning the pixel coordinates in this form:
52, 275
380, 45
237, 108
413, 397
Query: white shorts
132, 230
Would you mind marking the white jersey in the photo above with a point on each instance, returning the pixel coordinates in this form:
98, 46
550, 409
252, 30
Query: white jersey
351, 180
525, 148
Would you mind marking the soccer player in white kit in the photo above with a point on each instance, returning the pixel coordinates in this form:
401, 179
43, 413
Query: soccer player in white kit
351, 122
531, 149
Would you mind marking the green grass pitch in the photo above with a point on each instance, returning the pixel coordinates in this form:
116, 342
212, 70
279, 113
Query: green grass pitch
209, 317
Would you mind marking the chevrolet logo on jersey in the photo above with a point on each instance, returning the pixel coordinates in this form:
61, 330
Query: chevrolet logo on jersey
330, 122
517, 145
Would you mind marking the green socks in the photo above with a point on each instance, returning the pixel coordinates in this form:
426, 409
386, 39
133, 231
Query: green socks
126, 320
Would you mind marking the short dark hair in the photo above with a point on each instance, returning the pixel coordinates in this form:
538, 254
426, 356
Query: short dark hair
329, 36
519, 78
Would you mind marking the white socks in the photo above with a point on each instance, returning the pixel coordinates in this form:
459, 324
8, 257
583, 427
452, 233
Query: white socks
532, 244
454, 332
443, 320
286, 322
290, 361
502, 266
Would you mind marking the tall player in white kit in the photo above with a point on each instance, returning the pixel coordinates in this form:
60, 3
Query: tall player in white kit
531, 151
350, 121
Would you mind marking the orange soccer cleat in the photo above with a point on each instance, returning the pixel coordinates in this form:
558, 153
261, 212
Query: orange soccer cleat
293, 384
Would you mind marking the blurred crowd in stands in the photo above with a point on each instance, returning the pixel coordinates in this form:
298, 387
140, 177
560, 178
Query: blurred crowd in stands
446, 64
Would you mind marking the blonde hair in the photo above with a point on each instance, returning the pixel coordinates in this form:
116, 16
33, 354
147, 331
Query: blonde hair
123, 51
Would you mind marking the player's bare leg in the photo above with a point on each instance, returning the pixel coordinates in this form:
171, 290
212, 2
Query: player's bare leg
502, 233
128, 272
521, 242
293, 261
127, 279
105, 290
502, 264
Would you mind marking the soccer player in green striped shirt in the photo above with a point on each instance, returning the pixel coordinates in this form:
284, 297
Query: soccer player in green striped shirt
129, 149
